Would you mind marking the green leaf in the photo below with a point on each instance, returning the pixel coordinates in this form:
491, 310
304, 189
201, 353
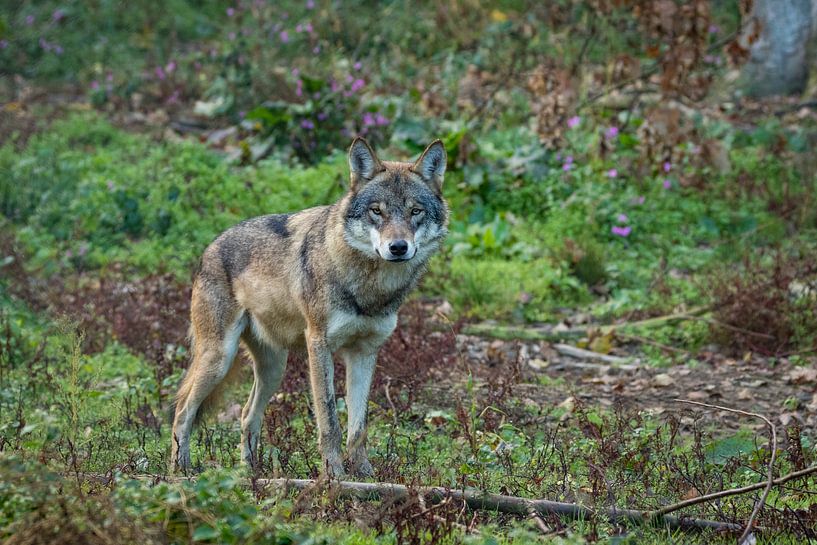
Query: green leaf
205, 532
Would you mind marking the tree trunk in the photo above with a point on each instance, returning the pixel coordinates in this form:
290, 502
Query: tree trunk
778, 63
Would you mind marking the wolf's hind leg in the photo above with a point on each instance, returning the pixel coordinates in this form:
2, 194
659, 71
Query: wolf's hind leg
212, 359
269, 364
359, 372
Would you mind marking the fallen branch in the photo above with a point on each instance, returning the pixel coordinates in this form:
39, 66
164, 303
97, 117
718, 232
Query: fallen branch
551, 333
581, 353
474, 499
770, 472
734, 491
565, 364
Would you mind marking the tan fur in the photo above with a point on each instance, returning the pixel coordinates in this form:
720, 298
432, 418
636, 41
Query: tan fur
326, 280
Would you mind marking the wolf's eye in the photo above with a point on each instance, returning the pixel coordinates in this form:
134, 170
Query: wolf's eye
375, 210
416, 211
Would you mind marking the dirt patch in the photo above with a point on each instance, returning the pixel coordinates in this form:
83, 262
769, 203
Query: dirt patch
775, 388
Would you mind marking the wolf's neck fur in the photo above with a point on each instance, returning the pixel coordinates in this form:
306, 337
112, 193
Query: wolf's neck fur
372, 286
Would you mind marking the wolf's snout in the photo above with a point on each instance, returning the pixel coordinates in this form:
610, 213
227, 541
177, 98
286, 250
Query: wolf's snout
398, 247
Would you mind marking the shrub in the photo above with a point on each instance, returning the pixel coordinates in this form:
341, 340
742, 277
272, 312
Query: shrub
768, 304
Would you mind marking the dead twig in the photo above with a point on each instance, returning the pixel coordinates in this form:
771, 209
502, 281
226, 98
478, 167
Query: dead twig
734, 491
770, 472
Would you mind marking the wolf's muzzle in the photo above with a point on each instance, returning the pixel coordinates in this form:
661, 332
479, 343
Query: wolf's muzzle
398, 248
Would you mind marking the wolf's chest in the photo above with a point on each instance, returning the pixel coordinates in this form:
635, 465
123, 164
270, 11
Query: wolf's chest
357, 332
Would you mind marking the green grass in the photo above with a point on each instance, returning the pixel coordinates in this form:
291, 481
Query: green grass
86, 196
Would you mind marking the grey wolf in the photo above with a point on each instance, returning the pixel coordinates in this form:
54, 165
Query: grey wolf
325, 281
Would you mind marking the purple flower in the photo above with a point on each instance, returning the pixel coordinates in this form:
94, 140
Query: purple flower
568, 164
349, 78
95, 85
307, 124
160, 73
109, 77
612, 173
667, 183
316, 49
310, 4
574, 121
380, 120
231, 36
357, 85
622, 218
368, 119
284, 35
58, 49
171, 66
621, 231
69, 254
667, 166
308, 28
334, 86
29, 20
299, 28
44, 44
230, 12
638, 200
58, 15
612, 132
714, 29
242, 114
4, 44
295, 72
358, 65
322, 116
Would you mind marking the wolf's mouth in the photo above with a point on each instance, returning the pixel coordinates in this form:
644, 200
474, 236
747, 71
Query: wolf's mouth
396, 259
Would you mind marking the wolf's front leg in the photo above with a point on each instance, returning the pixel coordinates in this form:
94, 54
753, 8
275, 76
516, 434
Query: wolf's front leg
359, 372
321, 375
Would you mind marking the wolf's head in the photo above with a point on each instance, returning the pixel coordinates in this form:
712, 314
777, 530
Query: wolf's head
396, 211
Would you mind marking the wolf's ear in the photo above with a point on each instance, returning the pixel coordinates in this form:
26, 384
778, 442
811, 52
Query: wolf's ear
363, 163
431, 164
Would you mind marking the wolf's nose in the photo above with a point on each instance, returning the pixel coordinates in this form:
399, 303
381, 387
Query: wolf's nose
398, 247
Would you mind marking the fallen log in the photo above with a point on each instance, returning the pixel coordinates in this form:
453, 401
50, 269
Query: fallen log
478, 500
553, 333
475, 499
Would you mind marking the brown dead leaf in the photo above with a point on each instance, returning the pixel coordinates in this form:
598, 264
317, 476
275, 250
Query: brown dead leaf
662, 380
802, 375
697, 396
744, 394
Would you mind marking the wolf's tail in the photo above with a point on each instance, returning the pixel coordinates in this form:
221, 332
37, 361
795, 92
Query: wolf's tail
214, 397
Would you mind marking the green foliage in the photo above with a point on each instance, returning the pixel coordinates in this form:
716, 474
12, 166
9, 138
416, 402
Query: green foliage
123, 198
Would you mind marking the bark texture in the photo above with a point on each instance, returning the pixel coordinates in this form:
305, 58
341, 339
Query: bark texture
778, 61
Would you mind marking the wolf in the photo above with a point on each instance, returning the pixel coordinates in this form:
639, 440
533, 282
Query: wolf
324, 281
